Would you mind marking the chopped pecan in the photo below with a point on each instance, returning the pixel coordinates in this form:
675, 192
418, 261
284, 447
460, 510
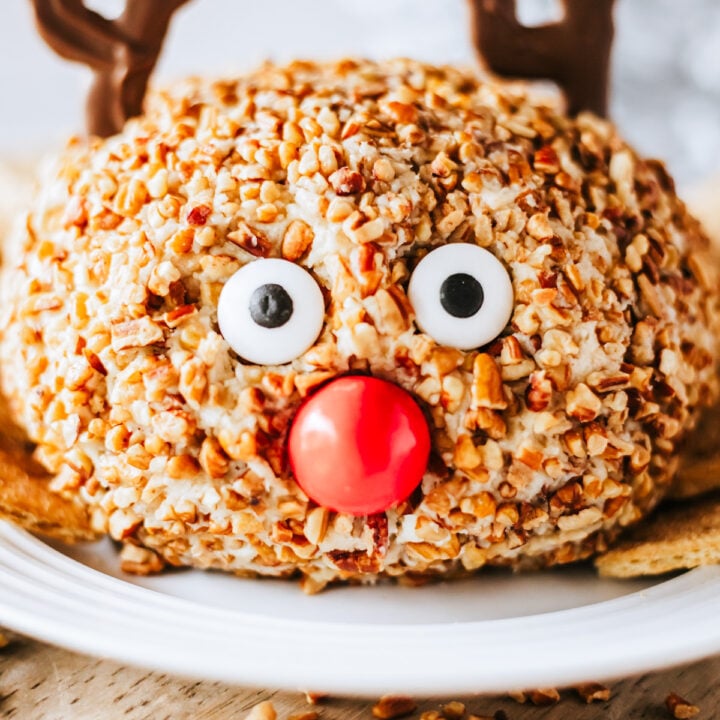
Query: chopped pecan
453, 710
467, 456
544, 697
487, 387
393, 706
546, 160
489, 421
307, 715
378, 524
212, 458
593, 692
511, 352
680, 708
182, 466
263, 711
199, 215
354, 562
347, 182
297, 240
174, 318
95, 362
251, 240
582, 403
606, 383
316, 525
538, 226
137, 560
538, 392
135, 333
531, 457
402, 112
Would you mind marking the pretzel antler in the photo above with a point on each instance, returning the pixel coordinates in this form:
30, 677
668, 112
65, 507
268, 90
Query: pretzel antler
574, 52
122, 52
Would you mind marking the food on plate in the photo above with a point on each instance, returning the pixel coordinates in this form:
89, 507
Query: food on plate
699, 468
357, 320
680, 708
677, 537
552, 430
26, 497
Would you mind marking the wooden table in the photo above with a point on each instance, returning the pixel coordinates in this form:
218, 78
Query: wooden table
41, 682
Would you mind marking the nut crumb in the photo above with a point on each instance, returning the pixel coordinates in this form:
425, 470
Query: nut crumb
593, 692
199, 215
298, 238
137, 560
307, 715
544, 697
262, 711
453, 710
680, 708
347, 182
315, 698
393, 706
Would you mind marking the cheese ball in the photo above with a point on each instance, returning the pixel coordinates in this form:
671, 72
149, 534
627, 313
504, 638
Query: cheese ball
553, 397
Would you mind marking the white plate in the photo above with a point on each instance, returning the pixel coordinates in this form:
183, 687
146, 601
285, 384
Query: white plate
494, 633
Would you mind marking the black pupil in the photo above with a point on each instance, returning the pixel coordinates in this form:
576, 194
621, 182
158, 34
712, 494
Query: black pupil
271, 306
461, 295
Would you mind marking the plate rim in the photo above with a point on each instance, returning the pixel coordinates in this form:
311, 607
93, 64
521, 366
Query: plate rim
461, 663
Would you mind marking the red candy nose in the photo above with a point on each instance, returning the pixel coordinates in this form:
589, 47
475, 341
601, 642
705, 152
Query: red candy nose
359, 445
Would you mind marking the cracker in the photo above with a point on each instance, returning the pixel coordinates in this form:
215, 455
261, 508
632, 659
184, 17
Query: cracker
699, 470
677, 537
28, 501
25, 495
696, 477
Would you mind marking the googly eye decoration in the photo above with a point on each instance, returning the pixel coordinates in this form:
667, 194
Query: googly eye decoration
462, 296
271, 311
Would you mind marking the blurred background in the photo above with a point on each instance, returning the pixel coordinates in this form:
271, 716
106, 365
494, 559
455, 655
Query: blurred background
666, 82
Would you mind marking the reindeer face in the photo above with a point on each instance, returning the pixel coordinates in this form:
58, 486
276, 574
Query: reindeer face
367, 430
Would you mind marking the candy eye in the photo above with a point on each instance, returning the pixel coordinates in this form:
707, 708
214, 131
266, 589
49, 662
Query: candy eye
271, 311
462, 295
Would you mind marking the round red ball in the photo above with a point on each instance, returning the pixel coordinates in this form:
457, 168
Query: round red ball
359, 445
